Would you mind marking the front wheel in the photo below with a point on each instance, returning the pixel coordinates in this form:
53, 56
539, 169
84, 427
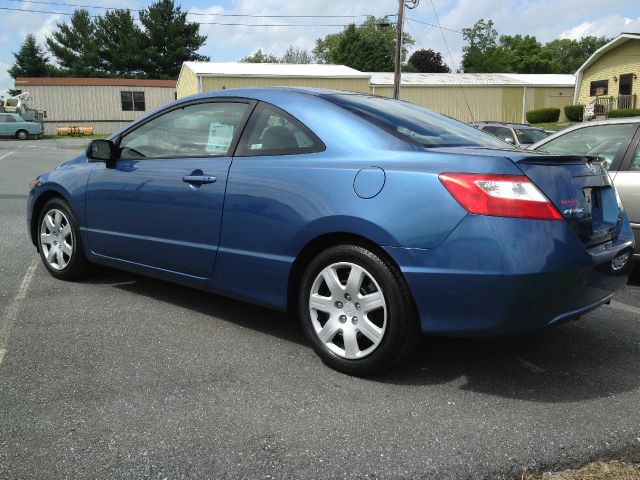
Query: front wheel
22, 134
59, 241
357, 311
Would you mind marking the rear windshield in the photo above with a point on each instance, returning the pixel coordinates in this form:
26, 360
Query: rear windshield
414, 123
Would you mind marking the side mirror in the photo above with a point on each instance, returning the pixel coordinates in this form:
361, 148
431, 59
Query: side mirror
508, 140
102, 150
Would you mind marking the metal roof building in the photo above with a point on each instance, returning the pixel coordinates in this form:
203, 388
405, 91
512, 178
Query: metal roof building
465, 96
487, 96
105, 104
198, 77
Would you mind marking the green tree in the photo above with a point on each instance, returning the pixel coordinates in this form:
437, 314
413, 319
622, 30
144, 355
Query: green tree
296, 55
428, 61
74, 46
482, 53
170, 39
260, 57
120, 44
366, 47
526, 55
31, 60
571, 54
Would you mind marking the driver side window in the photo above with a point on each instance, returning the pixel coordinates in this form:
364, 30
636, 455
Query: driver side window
200, 130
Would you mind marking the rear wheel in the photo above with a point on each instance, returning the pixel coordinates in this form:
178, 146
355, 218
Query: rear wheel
357, 311
22, 134
59, 241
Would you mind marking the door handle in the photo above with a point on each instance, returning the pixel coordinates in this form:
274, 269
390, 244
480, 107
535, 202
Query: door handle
198, 179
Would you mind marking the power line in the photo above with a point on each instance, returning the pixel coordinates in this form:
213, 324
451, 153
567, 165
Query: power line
202, 23
193, 13
453, 64
435, 26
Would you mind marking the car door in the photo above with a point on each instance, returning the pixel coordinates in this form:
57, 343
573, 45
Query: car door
5, 124
160, 205
269, 198
627, 182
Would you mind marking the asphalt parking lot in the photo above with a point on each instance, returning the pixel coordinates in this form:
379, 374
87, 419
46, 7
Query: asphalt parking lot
121, 376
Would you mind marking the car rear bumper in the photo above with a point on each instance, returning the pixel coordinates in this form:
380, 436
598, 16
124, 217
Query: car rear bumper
497, 276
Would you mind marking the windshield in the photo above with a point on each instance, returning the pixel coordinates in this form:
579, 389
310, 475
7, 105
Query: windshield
528, 136
414, 123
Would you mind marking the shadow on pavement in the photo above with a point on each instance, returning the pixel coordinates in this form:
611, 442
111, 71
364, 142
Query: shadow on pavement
261, 319
593, 358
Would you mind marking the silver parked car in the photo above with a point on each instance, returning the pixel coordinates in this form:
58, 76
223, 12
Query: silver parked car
618, 142
517, 134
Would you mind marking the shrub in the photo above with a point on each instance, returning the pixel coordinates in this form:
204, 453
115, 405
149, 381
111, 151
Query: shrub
543, 115
574, 112
627, 112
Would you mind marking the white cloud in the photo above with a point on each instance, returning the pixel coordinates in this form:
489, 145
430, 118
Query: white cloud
608, 26
6, 82
228, 43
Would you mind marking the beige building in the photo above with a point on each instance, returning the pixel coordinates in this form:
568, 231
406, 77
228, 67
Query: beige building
105, 104
504, 97
610, 76
198, 77
488, 96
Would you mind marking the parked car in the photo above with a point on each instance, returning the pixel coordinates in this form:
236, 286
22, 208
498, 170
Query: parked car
518, 134
13, 125
617, 141
373, 219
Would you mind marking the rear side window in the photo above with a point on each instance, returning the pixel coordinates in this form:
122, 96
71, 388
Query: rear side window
503, 133
598, 140
414, 124
272, 131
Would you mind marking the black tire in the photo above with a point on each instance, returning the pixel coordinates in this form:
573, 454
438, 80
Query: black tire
401, 331
22, 134
70, 267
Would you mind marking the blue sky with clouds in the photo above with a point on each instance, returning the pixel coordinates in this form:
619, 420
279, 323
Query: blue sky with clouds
546, 19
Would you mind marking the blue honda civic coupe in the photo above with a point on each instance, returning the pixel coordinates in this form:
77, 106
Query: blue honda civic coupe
373, 219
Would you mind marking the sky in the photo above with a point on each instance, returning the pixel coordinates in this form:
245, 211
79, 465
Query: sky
545, 19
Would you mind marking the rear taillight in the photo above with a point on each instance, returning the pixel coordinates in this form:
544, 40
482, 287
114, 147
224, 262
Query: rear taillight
499, 195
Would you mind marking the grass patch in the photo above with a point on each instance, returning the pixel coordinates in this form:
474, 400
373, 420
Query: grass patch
599, 470
555, 126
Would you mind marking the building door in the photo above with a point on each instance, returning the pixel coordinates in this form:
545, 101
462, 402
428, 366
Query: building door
626, 84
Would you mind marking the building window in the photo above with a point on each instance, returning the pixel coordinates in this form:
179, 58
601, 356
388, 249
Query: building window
132, 101
599, 87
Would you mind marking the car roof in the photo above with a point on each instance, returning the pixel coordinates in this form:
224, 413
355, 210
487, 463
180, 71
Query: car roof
505, 124
578, 126
259, 92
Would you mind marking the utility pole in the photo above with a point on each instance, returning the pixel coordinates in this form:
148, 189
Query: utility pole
398, 61
397, 66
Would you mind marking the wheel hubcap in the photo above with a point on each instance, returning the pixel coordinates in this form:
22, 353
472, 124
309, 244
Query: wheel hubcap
56, 239
348, 310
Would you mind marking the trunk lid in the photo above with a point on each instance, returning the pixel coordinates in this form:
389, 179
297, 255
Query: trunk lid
581, 190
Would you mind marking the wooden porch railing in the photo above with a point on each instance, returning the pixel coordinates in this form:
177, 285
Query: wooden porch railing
626, 101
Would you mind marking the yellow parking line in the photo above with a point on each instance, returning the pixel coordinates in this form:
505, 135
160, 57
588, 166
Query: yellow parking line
11, 311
